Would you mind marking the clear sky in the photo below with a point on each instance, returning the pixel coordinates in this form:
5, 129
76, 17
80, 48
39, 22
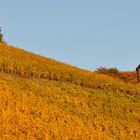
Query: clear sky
84, 33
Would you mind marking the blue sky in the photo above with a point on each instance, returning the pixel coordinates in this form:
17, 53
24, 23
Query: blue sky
83, 33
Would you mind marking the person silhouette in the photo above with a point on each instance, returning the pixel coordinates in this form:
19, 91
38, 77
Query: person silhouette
1, 35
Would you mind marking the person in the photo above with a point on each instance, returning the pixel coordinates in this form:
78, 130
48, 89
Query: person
1, 35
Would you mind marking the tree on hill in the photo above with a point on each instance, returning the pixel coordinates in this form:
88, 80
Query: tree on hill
129, 76
114, 72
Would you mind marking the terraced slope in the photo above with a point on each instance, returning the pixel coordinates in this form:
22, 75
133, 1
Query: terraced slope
41, 98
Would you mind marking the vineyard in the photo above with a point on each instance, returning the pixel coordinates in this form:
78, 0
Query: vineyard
43, 99
19, 62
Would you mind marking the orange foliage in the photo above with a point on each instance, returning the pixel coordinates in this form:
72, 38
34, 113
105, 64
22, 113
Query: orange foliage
41, 98
20, 62
129, 77
47, 110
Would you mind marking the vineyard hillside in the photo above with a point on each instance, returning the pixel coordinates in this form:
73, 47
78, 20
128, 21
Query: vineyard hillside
43, 99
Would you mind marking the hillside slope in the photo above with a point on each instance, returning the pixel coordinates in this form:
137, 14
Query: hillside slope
41, 98
20, 62
40, 109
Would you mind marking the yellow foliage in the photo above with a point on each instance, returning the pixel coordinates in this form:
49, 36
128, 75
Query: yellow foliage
19, 62
42, 99
40, 109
